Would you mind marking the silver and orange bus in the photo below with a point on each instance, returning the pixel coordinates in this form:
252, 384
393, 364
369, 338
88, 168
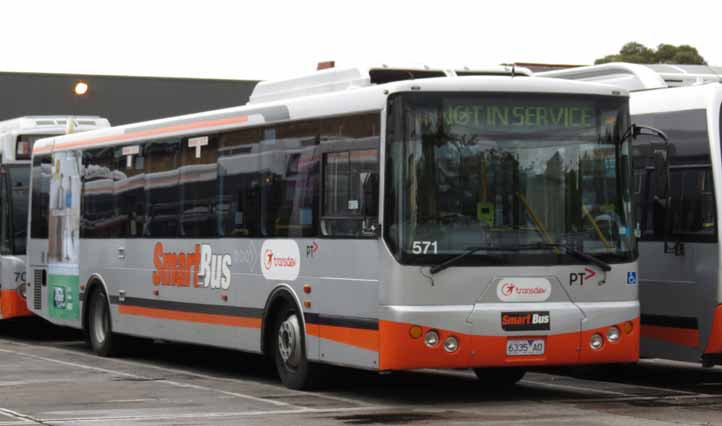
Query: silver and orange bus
383, 219
17, 137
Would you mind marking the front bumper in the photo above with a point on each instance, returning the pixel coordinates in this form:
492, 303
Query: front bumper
482, 341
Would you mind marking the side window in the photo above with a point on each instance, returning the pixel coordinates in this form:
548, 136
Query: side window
693, 203
350, 182
290, 165
41, 196
350, 175
239, 183
200, 208
162, 191
98, 208
129, 190
692, 212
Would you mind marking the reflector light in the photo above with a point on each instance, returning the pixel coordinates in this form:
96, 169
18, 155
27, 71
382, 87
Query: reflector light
628, 327
415, 332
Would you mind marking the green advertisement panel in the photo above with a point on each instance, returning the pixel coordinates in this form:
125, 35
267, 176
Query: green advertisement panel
63, 292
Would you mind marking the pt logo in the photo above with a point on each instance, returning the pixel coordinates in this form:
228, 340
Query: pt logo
312, 249
580, 277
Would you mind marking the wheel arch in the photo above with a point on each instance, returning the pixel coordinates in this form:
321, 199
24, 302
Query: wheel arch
95, 281
282, 293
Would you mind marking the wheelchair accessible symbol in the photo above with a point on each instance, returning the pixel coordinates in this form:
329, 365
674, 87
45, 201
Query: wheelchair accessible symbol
631, 278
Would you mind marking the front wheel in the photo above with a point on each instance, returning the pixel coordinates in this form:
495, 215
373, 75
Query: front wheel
289, 344
99, 329
500, 376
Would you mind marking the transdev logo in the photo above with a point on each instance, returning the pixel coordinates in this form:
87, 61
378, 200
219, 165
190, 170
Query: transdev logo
280, 260
523, 289
268, 259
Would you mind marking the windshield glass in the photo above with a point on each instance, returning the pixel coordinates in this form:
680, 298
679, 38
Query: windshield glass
499, 170
19, 180
24, 145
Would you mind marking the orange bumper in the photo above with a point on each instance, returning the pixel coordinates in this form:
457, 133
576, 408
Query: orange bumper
714, 345
399, 351
12, 305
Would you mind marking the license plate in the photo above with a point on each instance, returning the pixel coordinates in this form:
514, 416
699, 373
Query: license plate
516, 347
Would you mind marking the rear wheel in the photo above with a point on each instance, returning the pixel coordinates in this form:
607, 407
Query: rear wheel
500, 376
289, 347
100, 332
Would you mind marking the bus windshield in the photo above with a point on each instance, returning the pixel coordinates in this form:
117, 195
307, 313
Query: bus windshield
19, 175
496, 171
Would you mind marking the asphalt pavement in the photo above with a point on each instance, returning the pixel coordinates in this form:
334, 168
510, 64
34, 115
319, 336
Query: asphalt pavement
49, 376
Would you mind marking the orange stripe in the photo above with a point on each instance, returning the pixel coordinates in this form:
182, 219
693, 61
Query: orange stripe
228, 320
152, 132
714, 345
357, 337
680, 336
12, 305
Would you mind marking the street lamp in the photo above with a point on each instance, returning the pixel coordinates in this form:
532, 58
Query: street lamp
81, 88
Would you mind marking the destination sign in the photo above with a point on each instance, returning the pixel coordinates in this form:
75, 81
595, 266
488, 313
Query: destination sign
512, 116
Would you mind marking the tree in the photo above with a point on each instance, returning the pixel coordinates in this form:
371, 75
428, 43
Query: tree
638, 53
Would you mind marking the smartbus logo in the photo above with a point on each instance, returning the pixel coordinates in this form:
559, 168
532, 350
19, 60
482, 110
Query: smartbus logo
183, 269
280, 260
525, 321
523, 289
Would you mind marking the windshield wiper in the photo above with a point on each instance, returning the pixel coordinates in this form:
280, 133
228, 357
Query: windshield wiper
572, 251
471, 250
568, 249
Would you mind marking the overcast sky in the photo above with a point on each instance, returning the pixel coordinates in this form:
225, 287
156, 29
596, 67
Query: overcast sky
266, 39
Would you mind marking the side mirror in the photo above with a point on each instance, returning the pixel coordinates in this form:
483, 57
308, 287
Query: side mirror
638, 130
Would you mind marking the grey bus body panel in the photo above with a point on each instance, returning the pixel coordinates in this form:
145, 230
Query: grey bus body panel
680, 293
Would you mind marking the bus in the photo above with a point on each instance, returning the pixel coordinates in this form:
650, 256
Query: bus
680, 289
377, 218
17, 137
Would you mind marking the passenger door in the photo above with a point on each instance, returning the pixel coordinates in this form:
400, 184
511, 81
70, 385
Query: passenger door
677, 286
64, 238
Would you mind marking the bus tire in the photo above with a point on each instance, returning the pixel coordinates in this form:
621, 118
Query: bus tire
500, 376
288, 343
100, 334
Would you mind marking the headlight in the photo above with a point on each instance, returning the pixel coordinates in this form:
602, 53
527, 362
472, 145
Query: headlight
431, 338
451, 344
596, 342
21, 290
613, 334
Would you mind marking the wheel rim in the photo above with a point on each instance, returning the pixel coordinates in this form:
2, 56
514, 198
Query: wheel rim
100, 320
289, 341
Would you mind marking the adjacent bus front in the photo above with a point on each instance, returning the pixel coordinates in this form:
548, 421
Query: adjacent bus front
509, 229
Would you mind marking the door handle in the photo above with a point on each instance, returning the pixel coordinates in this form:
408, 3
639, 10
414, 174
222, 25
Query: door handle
121, 253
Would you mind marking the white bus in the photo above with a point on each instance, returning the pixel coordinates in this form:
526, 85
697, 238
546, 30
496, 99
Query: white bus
17, 137
375, 218
680, 292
